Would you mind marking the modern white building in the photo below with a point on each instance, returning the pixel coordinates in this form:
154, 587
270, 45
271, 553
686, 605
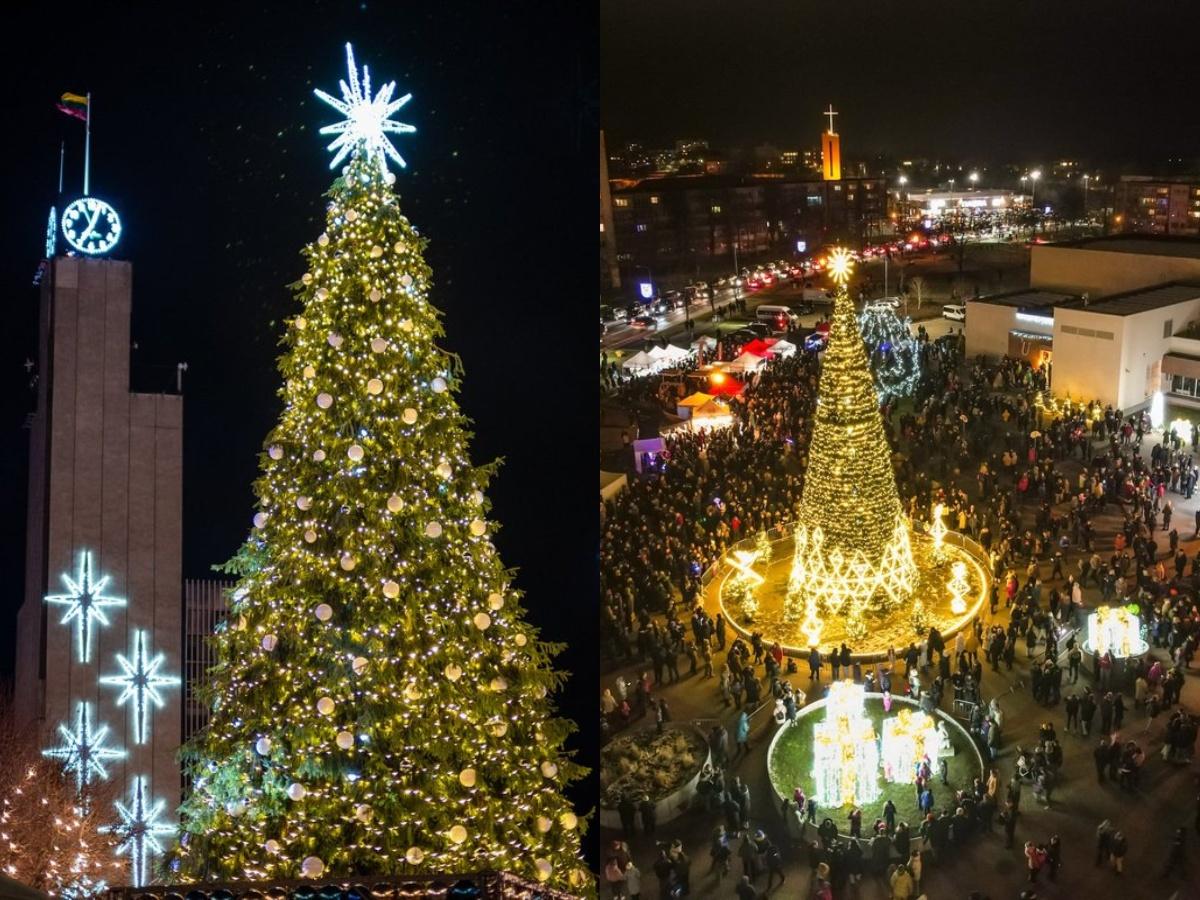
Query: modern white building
1114, 319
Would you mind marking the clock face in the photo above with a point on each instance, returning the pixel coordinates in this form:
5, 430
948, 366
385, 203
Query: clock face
91, 226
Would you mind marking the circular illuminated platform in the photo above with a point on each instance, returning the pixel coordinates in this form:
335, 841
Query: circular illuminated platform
769, 614
792, 757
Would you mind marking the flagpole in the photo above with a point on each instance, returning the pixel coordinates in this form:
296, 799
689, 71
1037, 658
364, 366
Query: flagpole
62, 158
87, 145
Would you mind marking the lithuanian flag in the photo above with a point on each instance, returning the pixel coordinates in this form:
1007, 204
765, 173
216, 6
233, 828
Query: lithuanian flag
74, 105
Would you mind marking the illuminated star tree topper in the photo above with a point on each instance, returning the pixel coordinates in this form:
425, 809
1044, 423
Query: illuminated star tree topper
368, 120
82, 750
140, 829
85, 602
141, 682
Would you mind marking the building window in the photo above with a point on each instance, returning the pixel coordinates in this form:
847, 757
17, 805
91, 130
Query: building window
1181, 385
621, 202
602, 228
653, 200
716, 209
641, 229
1168, 328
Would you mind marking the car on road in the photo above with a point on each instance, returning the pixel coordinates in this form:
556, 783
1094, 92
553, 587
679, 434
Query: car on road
613, 314
759, 329
644, 322
802, 308
674, 300
891, 303
775, 316
955, 312
816, 295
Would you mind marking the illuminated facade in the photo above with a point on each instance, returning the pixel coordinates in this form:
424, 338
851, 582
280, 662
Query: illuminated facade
845, 752
831, 151
99, 630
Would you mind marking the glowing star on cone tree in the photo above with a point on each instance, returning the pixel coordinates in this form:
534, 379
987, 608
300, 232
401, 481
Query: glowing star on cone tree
379, 704
852, 529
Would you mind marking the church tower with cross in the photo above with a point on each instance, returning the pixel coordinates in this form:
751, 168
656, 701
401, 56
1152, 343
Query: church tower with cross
831, 150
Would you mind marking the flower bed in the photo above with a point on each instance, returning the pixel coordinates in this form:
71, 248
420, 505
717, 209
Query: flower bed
665, 768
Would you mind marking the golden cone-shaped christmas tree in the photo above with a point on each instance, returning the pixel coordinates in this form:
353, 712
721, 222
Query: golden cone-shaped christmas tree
852, 530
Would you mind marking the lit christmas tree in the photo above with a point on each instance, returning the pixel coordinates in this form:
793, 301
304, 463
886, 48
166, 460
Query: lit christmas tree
379, 704
853, 539
894, 353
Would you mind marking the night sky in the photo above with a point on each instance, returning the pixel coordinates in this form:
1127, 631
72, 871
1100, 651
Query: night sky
997, 80
204, 139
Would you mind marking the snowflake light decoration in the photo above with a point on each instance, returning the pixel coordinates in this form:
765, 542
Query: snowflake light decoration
140, 829
82, 750
85, 602
367, 121
141, 682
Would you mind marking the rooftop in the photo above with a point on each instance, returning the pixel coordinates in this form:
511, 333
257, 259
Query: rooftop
1026, 299
1145, 299
1145, 244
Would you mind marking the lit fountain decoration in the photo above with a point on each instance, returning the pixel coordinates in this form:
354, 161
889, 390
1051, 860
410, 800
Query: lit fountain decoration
746, 580
937, 532
1116, 631
908, 738
845, 754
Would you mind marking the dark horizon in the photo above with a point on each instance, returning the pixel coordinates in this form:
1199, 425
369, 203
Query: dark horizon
1023, 82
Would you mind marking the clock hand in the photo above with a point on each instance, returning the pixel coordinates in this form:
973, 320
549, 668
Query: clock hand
91, 226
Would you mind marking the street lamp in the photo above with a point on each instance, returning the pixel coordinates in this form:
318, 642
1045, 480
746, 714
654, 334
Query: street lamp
1033, 177
974, 179
1086, 178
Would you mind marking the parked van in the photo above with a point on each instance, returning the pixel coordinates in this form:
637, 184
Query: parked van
815, 295
777, 317
955, 312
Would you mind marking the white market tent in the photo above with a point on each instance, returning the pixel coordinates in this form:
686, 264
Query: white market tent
640, 361
783, 348
713, 414
747, 362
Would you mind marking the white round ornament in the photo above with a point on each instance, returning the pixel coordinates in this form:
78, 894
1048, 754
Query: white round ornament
362, 812
495, 600
269, 641
324, 400
453, 672
544, 868
399, 246
348, 562
309, 372
351, 215
345, 740
395, 503
409, 416
312, 867
296, 791
439, 385
260, 519
433, 530
414, 856
318, 456
568, 820
378, 345
391, 589
355, 452
275, 452
478, 527
235, 807
477, 498
310, 536
520, 640
272, 846
498, 684
376, 252
358, 665
323, 612
375, 295
375, 387
411, 692
322, 293
335, 340
390, 177
406, 325
498, 728
323, 240
304, 503
458, 834
482, 621
325, 706
444, 471
467, 778
544, 824
549, 769
301, 323
263, 745
306, 278
406, 280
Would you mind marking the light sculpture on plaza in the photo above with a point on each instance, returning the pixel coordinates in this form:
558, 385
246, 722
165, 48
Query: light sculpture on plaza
909, 737
852, 539
958, 587
1116, 630
845, 752
937, 531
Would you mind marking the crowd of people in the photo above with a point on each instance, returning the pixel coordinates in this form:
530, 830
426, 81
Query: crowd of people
1027, 479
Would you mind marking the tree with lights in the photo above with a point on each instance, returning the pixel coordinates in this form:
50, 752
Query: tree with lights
55, 834
894, 353
379, 704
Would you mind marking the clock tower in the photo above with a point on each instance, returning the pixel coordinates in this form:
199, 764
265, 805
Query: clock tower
99, 632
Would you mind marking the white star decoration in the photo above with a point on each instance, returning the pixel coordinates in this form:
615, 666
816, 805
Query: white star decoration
85, 603
82, 750
141, 682
140, 829
368, 120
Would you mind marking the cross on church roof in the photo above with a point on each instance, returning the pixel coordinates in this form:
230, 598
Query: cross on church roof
829, 112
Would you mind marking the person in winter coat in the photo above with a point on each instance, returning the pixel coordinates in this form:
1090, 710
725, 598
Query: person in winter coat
902, 883
1117, 848
916, 865
633, 881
